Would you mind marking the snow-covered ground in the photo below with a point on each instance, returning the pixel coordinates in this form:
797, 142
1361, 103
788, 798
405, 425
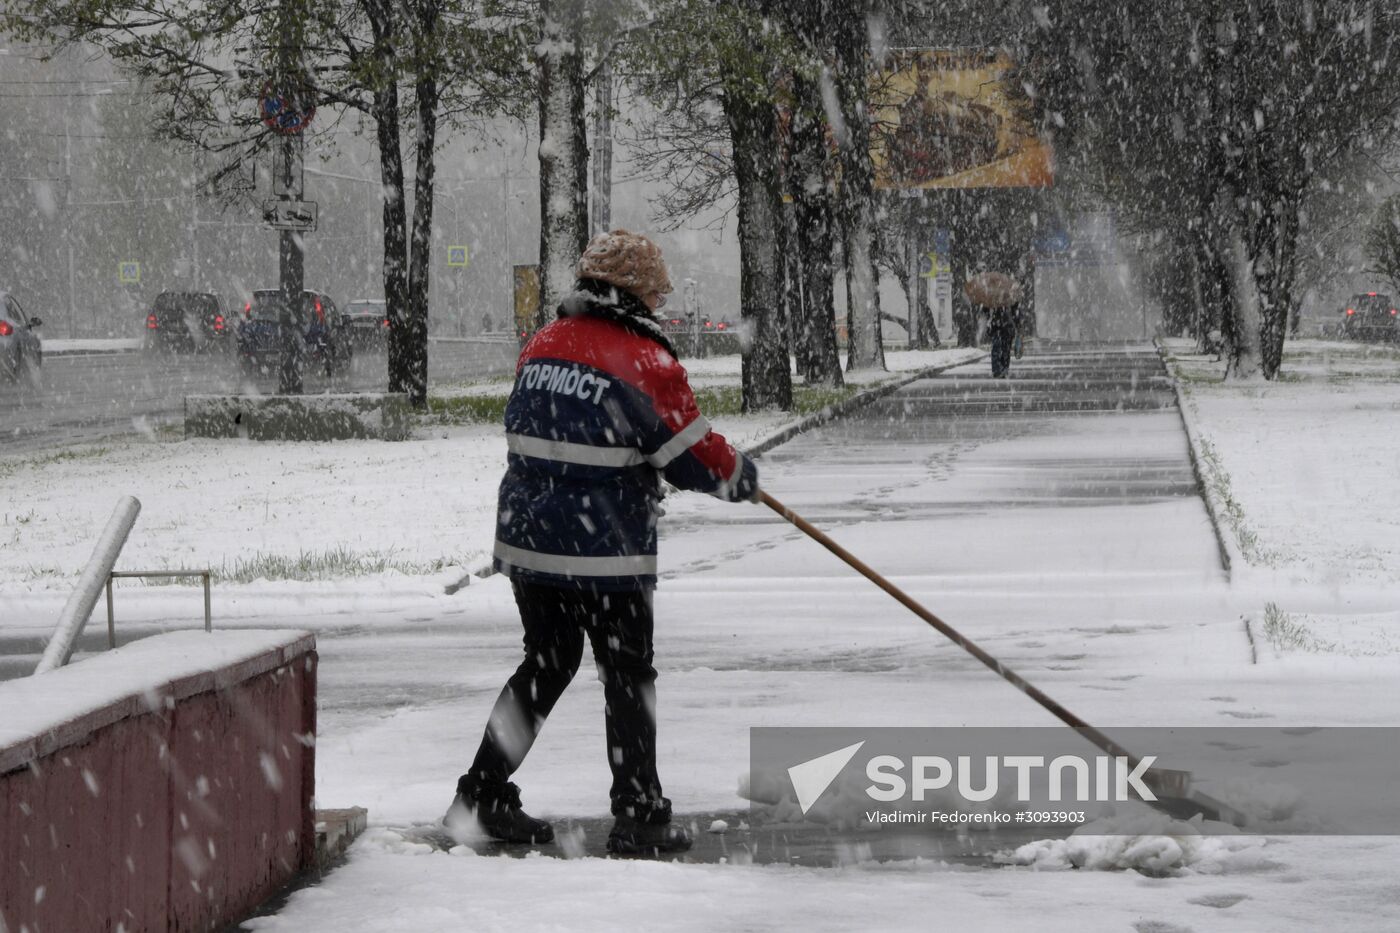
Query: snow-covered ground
1308, 467
1112, 601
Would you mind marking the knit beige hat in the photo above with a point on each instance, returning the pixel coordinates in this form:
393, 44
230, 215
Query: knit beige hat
628, 260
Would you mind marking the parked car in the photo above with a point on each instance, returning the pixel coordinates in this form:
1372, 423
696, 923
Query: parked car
676, 326
710, 336
368, 319
21, 353
325, 336
187, 322
1371, 316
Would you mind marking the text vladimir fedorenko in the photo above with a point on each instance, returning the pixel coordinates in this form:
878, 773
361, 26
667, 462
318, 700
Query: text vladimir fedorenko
985, 816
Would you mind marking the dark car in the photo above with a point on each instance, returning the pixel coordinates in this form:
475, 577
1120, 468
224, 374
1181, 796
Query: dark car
1370, 316
707, 336
187, 322
325, 336
21, 354
368, 319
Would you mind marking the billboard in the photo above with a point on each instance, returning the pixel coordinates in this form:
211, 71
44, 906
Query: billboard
525, 280
953, 118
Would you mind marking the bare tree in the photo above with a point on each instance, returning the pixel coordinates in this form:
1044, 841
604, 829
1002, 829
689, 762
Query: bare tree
1219, 121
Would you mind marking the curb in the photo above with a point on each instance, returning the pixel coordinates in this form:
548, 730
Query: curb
91, 351
1231, 557
783, 435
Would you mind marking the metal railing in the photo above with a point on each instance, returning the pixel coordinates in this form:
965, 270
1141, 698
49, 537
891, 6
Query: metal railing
84, 597
185, 574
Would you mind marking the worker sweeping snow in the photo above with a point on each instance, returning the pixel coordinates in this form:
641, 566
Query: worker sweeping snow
601, 410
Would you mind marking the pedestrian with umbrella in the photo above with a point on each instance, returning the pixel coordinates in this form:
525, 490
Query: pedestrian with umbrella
999, 296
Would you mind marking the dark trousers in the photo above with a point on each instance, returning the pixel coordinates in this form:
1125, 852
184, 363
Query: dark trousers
1001, 349
619, 625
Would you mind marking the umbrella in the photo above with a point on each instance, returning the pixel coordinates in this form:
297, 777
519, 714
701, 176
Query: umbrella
992, 290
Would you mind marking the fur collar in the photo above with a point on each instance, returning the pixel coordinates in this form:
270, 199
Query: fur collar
601, 300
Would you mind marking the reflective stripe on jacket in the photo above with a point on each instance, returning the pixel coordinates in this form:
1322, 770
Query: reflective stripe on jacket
599, 413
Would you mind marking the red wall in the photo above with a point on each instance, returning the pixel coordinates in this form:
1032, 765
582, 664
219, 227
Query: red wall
182, 818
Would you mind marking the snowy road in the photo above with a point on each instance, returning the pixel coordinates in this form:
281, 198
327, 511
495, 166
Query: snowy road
85, 397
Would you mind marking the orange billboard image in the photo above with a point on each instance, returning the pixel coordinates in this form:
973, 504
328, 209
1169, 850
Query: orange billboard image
948, 118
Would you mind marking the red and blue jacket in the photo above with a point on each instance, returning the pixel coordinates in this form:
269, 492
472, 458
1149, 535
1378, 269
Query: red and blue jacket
601, 411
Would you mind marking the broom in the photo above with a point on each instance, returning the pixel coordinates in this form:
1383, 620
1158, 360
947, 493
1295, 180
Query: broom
1175, 795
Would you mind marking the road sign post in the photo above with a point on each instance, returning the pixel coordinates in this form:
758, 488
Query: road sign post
290, 264
287, 107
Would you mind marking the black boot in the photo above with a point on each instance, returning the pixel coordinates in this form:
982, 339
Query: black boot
645, 828
494, 812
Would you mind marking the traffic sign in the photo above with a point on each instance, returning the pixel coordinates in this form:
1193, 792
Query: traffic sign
287, 110
457, 257
1053, 241
129, 273
282, 214
933, 264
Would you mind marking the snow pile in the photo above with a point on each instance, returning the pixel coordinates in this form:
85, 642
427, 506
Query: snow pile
397, 843
1150, 843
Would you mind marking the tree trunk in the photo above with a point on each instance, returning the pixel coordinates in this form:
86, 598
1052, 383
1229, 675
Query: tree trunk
928, 325
897, 261
1242, 311
1212, 290
1276, 281
789, 291
563, 151
415, 338
819, 360
865, 349
766, 372
964, 315
386, 122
